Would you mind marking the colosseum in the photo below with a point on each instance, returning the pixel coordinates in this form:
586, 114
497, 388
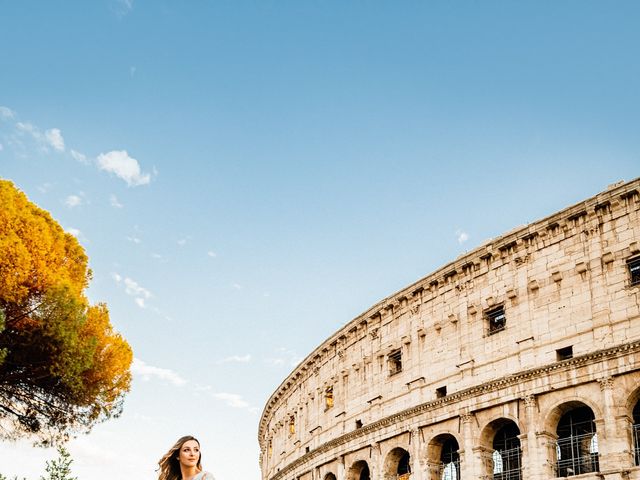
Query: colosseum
518, 360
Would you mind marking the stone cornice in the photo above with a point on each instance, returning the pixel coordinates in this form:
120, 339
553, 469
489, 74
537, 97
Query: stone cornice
491, 386
562, 225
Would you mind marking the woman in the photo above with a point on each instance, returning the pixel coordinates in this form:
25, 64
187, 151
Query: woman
182, 462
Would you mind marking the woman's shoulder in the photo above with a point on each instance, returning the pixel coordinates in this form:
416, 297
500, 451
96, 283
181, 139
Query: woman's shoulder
204, 476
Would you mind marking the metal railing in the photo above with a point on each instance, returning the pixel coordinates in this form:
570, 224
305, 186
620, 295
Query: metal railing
449, 471
636, 443
577, 454
507, 464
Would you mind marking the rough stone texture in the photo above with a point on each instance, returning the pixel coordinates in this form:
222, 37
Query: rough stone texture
562, 282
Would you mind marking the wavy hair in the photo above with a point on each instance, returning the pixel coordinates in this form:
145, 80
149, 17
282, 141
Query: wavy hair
169, 464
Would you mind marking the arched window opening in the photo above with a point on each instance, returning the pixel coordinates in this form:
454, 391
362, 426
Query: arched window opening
329, 476
449, 460
636, 433
577, 444
404, 469
507, 455
364, 473
359, 471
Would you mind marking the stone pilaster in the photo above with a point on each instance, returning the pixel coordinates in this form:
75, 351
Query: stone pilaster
469, 462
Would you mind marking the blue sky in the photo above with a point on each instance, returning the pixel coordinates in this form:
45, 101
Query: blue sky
247, 177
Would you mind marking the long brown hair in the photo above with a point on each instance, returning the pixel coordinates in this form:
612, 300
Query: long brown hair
169, 464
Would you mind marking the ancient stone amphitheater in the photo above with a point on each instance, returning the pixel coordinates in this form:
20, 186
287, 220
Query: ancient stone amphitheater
518, 360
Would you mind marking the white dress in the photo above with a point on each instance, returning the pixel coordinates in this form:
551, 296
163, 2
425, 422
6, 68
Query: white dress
203, 476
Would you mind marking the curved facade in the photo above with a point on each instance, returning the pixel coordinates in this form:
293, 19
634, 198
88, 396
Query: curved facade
519, 360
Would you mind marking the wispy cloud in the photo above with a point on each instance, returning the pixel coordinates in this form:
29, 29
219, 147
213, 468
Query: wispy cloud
212, 254
134, 289
54, 138
50, 138
134, 239
147, 372
236, 359
183, 241
114, 202
123, 166
232, 399
284, 356
80, 157
74, 231
6, 113
122, 7
73, 201
462, 236
237, 286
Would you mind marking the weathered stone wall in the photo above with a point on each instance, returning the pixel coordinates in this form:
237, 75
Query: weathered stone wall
564, 287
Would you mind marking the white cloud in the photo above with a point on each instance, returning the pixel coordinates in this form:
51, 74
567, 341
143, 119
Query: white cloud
6, 113
183, 241
73, 201
147, 372
29, 128
80, 157
45, 187
284, 357
54, 138
212, 254
462, 236
231, 399
237, 286
123, 166
74, 231
134, 240
114, 202
1, 147
132, 288
236, 359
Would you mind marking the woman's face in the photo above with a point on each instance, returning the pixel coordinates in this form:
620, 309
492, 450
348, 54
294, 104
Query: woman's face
189, 454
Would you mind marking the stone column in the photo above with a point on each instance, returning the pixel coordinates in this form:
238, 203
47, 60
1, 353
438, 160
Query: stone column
417, 463
547, 456
614, 448
342, 474
375, 463
531, 461
469, 464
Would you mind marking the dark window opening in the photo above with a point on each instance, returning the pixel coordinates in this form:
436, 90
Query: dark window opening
358, 424
364, 473
577, 444
564, 353
395, 362
636, 433
634, 270
506, 455
496, 319
404, 469
449, 468
441, 392
306, 449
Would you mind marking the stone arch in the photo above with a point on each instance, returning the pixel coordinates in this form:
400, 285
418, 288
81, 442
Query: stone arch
397, 464
443, 457
359, 471
557, 410
502, 453
633, 409
576, 448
